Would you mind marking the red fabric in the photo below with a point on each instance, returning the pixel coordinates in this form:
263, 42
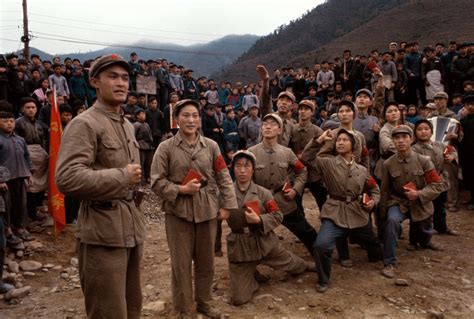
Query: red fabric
365, 152
219, 164
299, 166
271, 206
432, 177
371, 183
55, 198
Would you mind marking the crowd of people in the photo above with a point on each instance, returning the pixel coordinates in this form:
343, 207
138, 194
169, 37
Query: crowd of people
375, 139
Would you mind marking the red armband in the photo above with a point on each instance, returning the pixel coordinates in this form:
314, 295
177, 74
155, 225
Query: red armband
432, 177
219, 164
299, 166
371, 183
271, 206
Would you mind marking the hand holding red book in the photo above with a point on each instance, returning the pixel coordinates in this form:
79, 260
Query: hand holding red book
255, 205
410, 186
192, 174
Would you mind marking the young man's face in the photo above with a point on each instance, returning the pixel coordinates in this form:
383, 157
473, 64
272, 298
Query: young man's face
231, 115
270, 128
57, 70
36, 61
345, 114
305, 113
439, 49
13, 62
243, 170
112, 85
66, 117
441, 103
457, 100
211, 111
189, 120
29, 110
142, 100
343, 144
430, 55
253, 112
7, 125
363, 101
132, 100
134, 58
153, 104
402, 142
423, 132
35, 75
141, 116
284, 104
469, 107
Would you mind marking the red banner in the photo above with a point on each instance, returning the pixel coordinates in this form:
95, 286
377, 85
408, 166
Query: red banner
55, 198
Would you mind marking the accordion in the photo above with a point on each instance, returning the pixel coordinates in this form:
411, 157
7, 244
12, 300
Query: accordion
442, 126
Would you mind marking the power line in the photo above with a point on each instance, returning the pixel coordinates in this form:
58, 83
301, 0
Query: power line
127, 27
82, 41
135, 34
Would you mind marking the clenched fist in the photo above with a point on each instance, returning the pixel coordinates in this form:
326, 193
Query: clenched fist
134, 173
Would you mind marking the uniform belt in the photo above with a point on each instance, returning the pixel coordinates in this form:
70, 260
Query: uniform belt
347, 199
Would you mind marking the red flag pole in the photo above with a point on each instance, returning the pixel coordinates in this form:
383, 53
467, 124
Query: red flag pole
55, 198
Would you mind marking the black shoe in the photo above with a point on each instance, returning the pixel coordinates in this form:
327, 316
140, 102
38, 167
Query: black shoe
12, 240
208, 311
322, 288
4, 287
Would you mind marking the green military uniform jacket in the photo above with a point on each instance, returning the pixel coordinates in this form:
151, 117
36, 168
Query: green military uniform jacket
95, 149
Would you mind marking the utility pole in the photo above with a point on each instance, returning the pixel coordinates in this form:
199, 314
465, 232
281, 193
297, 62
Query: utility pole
25, 38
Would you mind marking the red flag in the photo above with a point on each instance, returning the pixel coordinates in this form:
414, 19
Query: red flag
55, 198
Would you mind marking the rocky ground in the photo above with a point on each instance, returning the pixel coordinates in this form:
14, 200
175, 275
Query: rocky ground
428, 284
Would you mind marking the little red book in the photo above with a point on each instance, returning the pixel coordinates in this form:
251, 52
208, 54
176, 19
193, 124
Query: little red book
410, 185
365, 198
192, 174
255, 205
448, 150
286, 187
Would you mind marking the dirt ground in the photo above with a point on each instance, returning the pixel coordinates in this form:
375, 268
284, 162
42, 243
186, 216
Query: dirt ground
440, 283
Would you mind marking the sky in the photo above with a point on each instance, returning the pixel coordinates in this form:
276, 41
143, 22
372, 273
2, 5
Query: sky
102, 22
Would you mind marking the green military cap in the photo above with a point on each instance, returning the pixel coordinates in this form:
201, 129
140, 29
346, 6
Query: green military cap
105, 62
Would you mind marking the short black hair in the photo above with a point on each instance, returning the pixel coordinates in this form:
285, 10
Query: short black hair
65, 108
419, 122
6, 115
25, 100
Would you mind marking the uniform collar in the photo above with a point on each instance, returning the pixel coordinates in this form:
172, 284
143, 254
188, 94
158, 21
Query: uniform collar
252, 188
428, 145
342, 161
406, 159
112, 115
178, 139
362, 115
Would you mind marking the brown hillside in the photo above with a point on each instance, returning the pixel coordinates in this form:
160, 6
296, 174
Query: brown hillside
426, 21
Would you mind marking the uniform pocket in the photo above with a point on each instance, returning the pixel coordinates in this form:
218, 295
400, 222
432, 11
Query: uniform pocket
283, 165
108, 153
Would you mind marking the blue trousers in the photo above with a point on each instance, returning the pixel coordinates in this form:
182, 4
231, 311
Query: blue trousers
325, 243
420, 233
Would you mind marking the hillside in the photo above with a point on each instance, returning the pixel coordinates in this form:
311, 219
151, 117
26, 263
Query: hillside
426, 21
204, 59
314, 29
